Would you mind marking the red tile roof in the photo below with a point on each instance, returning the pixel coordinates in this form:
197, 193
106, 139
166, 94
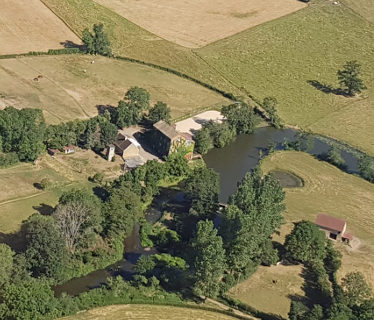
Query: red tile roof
331, 223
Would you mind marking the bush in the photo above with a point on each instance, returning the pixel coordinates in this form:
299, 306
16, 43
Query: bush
45, 184
8, 159
97, 177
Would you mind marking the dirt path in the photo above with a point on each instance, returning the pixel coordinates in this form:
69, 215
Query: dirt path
235, 311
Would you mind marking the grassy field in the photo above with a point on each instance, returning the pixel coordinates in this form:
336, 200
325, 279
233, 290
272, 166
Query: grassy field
194, 23
328, 190
66, 92
147, 312
280, 57
331, 191
273, 284
365, 8
19, 35
20, 196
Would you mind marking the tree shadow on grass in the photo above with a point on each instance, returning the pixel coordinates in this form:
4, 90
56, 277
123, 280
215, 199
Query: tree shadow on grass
72, 45
326, 88
44, 209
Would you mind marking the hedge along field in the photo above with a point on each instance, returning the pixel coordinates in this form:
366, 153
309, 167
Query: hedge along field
71, 86
132, 41
148, 312
19, 35
278, 58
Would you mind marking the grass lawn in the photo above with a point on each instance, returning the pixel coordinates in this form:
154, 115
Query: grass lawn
66, 92
147, 312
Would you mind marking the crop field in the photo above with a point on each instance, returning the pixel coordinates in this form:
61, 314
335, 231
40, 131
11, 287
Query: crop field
195, 23
130, 40
29, 26
72, 87
147, 312
282, 57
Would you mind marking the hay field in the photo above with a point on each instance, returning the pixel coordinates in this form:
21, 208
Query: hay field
30, 26
147, 312
329, 190
130, 40
273, 284
196, 23
66, 92
280, 57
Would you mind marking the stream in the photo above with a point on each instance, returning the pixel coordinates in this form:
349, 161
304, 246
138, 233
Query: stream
232, 163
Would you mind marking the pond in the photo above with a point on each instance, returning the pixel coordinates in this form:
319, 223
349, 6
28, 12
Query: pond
244, 153
288, 179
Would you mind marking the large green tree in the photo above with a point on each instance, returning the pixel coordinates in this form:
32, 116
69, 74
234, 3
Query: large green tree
130, 110
209, 262
253, 215
6, 264
355, 289
204, 141
45, 247
160, 111
306, 243
241, 117
97, 42
202, 187
22, 132
26, 300
349, 78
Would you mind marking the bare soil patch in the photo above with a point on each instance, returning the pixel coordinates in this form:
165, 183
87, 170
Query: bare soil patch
196, 23
30, 26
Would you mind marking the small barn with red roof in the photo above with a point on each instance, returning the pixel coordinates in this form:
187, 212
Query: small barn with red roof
333, 227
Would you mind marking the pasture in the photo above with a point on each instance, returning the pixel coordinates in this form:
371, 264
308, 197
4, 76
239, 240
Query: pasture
194, 23
147, 312
72, 87
275, 284
289, 58
31, 26
21, 196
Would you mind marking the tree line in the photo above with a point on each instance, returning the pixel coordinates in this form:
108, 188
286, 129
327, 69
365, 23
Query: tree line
24, 135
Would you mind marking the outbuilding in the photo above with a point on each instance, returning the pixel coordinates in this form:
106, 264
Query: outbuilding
334, 228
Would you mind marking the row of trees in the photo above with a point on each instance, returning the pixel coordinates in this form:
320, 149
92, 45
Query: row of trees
24, 133
217, 258
352, 300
